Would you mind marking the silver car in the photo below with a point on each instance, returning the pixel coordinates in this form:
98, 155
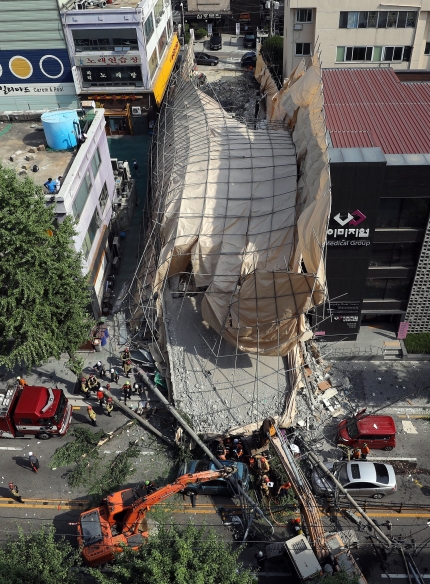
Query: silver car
359, 478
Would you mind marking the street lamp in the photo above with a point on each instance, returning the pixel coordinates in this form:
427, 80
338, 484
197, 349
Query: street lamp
183, 21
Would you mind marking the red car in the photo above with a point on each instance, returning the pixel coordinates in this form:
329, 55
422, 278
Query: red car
378, 432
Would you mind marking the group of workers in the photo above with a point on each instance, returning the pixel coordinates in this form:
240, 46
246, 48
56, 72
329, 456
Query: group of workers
228, 449
53, 185
355, 453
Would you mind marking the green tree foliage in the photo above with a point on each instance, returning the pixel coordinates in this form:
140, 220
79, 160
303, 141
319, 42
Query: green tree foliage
44, 297
272, 50
176, 555
340, 578
418, 343
38, 558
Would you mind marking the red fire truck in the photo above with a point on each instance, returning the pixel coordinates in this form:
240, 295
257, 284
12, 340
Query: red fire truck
33, 411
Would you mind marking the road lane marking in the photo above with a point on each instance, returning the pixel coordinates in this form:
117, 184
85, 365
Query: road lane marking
10, 448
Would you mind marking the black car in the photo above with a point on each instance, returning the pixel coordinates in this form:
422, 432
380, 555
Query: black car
215, 42
248, 59
249, 40
205, 59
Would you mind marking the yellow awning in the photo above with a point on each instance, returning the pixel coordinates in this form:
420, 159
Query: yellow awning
166, 67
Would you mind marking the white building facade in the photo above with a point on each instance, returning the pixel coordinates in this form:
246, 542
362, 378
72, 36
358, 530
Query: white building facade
356, 33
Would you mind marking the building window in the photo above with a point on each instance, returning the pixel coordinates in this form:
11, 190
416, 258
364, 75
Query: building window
303, 49
387, 288
162, 42
153, 63
393, 255
95, 162
149, 27
358, 53
427, 49
169, 29
111, 76
82, 196
407, 213
373, 54
392, 54
103, 198
104, 39
91, 233
304, 15
374, 19
158, 10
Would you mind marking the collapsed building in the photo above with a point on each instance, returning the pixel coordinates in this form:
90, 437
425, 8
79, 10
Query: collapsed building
233, 249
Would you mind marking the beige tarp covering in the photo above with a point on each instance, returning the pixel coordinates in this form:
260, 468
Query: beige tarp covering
232, 211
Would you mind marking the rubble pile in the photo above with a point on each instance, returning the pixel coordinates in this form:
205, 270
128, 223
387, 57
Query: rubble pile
237, 96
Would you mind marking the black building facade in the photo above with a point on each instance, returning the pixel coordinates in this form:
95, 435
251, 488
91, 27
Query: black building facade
377, 258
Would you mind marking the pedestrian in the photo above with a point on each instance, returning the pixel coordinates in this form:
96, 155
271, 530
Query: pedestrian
261, 559
50, 186
126, 389
114, 376
365, 450
283, 489
136, 167
109, 407
127, 368
15, 492
58, 183
92, 415
101, 396
21, 381
137, 388
34, 462
356, 454
100, 368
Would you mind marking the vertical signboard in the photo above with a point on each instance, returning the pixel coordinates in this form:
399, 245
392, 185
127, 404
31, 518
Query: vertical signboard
402, 333
237, 28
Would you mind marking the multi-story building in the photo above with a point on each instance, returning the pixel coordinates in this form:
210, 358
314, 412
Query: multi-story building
378, 239
123, 55
35, 70
361, 33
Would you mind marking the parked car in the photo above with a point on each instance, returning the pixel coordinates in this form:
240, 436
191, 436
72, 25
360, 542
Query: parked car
359, 478
215, 42
376, 431
205, 59
249, 40
218, 486
248, 59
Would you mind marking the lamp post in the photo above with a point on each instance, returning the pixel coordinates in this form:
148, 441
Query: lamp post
183, 21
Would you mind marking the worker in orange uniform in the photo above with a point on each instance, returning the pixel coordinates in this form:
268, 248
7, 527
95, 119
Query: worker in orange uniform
356, 454
283, 489
21, 381
365, 450
101, 396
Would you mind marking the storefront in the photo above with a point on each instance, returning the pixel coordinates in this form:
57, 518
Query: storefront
125, 114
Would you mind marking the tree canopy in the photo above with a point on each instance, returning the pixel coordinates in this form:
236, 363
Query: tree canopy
179, 555
37, 558
44, 296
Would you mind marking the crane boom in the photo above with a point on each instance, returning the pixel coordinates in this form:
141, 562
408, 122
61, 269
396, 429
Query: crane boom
121, 520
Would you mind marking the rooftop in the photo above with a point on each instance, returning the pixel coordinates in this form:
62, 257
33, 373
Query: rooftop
367, 108
116, 4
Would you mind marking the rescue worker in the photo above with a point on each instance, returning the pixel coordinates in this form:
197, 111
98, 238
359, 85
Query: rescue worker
365, 450
237, 451
125, 356
15, 492
150, 487
93, 384
220, 452
92, 415
100, 368
21, 381
114, 376
356, 454
127, 368
137, 388
283, 489
264, 485
101, 396
109, 406
266, 431
297, 525
84, 386
34, 462
261, 559
126, 390
346, 451
261, 464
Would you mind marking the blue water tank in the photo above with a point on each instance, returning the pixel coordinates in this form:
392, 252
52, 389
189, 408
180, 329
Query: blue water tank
61, 128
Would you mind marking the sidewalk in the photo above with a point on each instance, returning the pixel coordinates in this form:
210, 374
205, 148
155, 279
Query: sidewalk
55, 373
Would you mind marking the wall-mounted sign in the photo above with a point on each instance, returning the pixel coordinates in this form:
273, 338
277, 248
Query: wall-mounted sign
209, 28
108, 60
402, 333
245, 17
38, 89
35, 66
237, 28
203, 16
343, 230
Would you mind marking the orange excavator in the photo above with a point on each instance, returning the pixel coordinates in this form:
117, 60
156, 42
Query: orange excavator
121, 519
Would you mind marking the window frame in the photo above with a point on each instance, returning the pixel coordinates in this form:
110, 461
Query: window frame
308, 11
352, 48
427, 49
96, 164
103, 197
296, 54
149, 19
393, 60
390, 14
88, 184
91, 233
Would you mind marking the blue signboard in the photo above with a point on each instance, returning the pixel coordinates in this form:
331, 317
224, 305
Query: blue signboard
35, 66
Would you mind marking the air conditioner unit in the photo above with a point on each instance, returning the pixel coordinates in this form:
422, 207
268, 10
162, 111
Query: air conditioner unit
80, 5
136, 111
298, 26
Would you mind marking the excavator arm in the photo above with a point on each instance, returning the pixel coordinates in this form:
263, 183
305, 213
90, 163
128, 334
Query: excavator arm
139, 508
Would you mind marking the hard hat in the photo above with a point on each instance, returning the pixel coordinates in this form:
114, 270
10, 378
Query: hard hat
18, 378
235, 441
99, 363
127, 383
267, 480
364, 443
112, 370
146, 482
260, 554
126, 349
89, 407
109, 399
83, 379
30, 454
11, 484
263, 459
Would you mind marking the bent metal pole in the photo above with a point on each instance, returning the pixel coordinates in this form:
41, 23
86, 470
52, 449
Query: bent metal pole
202, 445
382, 535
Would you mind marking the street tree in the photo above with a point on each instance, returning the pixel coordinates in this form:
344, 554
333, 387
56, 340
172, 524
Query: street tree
38, 558
179, 555
44, 296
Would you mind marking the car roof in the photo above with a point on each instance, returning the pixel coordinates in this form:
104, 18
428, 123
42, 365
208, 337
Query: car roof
215, 33
249, 54
376, 425
366, 471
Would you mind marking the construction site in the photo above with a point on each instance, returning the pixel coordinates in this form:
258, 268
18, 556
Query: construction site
230, 285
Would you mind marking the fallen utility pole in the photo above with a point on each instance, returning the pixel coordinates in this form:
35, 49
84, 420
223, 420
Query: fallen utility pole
202, 445
382, 535
138, 418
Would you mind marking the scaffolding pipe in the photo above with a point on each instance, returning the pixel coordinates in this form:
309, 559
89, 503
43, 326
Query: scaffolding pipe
382, 535
202, 445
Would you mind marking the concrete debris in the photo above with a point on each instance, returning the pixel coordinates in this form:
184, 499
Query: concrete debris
237, 96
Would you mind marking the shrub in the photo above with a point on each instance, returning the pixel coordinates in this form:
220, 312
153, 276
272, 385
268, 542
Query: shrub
200, 33
418, 343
